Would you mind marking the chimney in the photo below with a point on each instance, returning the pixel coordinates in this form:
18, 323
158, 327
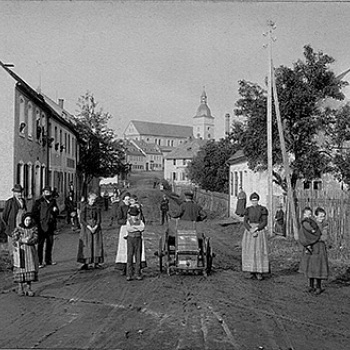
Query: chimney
60, 102
227, 124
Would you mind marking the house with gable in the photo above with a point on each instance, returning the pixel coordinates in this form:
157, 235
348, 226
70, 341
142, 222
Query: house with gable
41, 144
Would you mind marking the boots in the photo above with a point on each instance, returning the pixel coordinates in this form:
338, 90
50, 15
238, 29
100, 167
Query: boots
20, 290
29, 291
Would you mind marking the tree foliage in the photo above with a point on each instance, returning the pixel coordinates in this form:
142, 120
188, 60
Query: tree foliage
209, 169
300, 90
101, 155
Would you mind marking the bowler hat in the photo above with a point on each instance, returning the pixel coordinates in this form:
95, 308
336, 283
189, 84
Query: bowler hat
47, 188
254, 196
17, 188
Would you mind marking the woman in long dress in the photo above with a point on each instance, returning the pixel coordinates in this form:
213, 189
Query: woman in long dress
90, 249
255, 259
314, 265
25, 255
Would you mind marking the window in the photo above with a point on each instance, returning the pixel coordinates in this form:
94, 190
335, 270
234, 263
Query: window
174, 162
65, 141
231, 182
317, 185
68, 144
30, 120
307, 185
22, 120
183, 161
20, 174
43, 126
30, 180
37, 125
236, 183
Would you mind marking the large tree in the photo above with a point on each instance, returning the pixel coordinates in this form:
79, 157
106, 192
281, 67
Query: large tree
101, 154
300, 90
209, 169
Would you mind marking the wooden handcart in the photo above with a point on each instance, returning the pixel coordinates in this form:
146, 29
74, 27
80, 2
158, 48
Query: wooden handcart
185, 253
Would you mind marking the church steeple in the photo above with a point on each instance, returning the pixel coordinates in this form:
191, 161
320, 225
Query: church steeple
203, 121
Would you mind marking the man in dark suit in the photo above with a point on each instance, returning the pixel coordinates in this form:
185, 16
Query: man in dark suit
45, 212
14, 209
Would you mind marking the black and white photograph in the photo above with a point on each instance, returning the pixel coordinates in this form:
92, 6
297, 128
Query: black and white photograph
175, 175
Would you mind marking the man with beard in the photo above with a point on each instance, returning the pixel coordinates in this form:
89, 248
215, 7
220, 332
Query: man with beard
45, 211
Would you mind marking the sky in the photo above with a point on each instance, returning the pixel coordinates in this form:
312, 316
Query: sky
150, 60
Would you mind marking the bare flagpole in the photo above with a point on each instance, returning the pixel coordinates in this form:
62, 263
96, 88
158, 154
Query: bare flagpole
269, 131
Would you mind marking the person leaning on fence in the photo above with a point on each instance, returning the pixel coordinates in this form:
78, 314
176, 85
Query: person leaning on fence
255, 259
315, 265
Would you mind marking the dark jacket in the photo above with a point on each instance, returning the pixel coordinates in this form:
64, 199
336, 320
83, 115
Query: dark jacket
191, 211
10, 213
255, 215
122, 213
45, 215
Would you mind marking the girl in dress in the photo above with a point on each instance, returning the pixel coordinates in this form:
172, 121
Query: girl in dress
26, 262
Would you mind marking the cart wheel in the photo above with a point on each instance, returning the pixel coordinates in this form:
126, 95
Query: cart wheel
208, 257
160, 254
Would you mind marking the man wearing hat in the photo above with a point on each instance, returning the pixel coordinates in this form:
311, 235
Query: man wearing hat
190, 212
14, 209
45, 211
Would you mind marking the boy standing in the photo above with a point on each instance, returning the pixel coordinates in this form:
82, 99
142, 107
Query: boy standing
134, 228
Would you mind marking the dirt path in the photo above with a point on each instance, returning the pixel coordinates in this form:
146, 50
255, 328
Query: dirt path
101, 310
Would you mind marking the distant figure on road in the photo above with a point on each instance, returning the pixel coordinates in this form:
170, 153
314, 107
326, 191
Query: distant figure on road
255, 259
45, 212
71, 211
106, 200
315, 265
25, 270
280, 226
90, 249
164, 209
115, 201
241, 202
13, 212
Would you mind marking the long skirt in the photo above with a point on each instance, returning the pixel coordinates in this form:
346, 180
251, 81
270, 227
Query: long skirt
26, 263
315, 265
255, 256
241, 205
90, 248
121, 257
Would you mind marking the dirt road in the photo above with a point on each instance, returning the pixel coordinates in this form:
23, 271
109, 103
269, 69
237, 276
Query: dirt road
100, 310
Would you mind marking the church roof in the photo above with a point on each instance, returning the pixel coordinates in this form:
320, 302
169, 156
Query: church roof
162, 129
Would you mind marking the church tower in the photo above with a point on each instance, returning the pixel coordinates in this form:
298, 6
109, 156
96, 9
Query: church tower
203, 121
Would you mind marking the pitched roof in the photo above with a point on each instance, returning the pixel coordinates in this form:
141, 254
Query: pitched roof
186, 150
150, 148
237, 158
162, 129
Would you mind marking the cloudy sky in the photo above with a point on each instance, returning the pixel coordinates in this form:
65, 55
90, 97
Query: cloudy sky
149, 60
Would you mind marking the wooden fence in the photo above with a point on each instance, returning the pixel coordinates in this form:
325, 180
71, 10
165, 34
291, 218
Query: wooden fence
337, 207
214, 202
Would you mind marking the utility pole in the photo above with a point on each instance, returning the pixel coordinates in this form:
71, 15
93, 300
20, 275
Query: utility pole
269, 131
285, 160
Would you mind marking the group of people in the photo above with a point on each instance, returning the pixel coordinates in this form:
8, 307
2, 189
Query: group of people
312, 236
28, 233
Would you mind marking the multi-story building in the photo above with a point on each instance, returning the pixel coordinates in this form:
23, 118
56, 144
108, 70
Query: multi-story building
176, 162
38, 142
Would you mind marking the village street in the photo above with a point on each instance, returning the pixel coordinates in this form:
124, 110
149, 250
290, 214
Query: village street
99, 309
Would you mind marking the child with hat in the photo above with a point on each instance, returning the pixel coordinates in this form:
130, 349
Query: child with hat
134, 229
